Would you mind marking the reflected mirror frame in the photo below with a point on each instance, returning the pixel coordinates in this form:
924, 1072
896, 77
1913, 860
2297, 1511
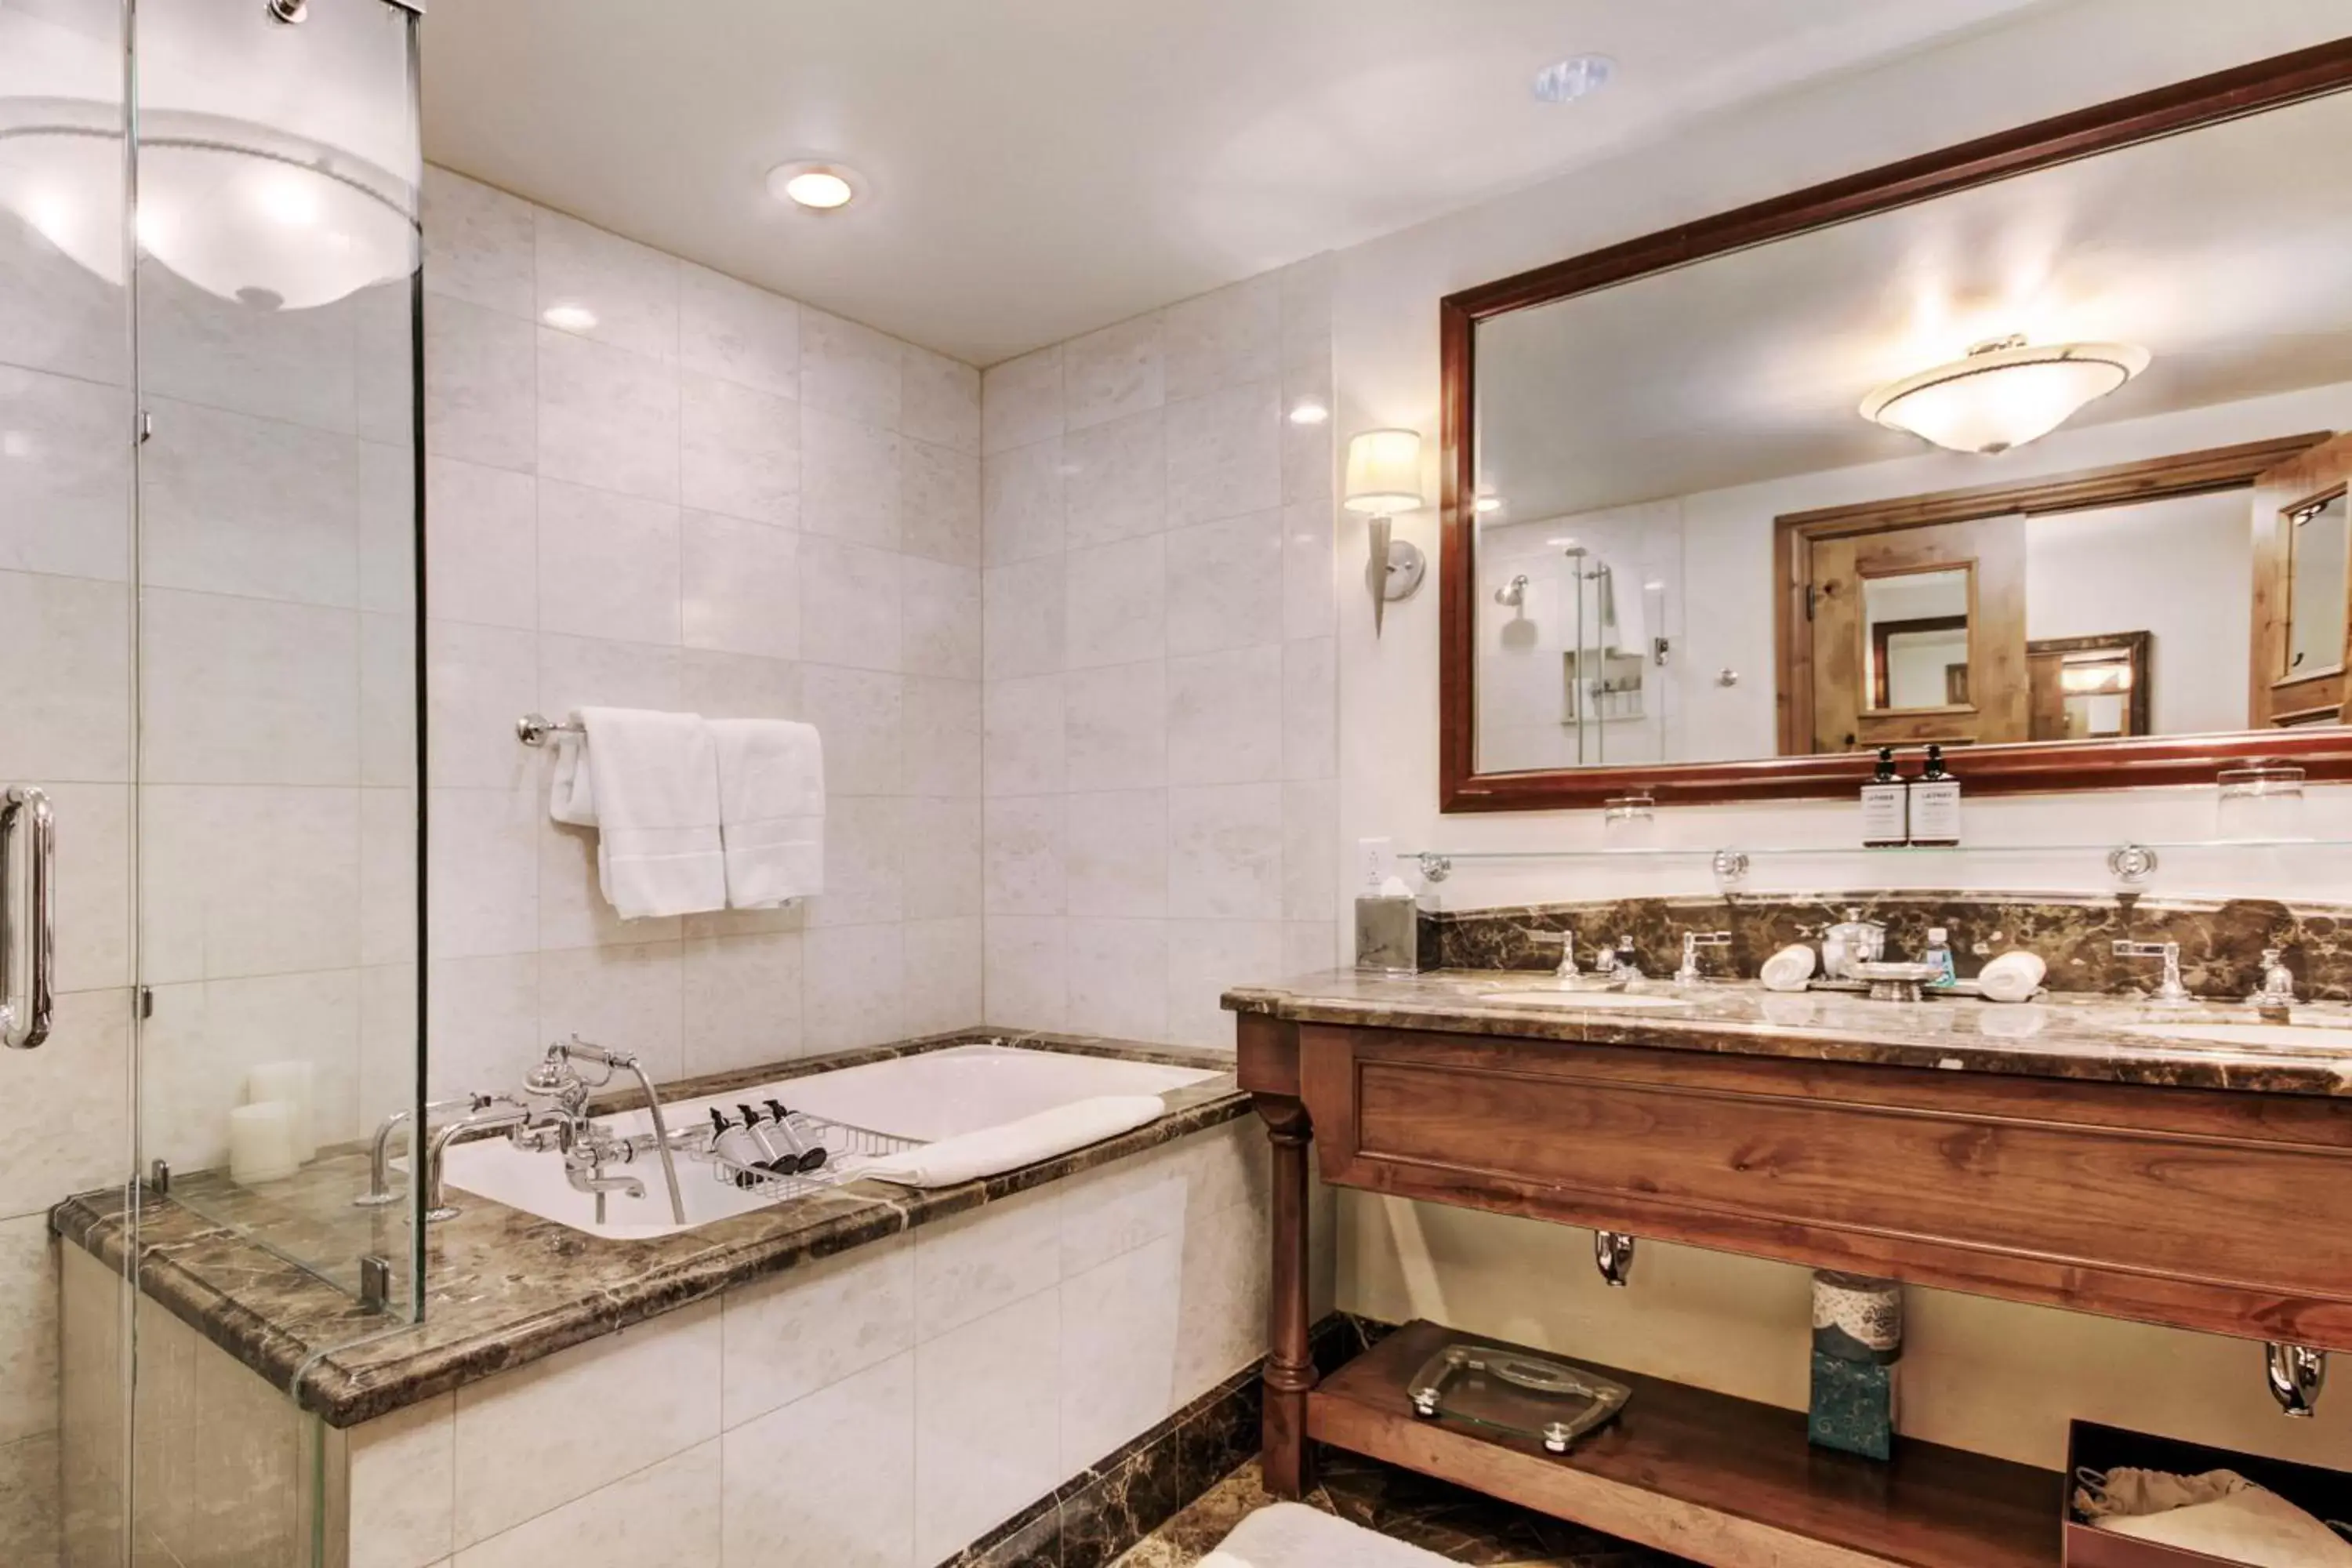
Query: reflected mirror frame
2324, 753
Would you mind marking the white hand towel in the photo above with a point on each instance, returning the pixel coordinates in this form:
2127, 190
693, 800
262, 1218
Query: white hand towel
1292, 1535
771, 810
656, 778
2014, 976
1788, 969
970, 1155
572, 795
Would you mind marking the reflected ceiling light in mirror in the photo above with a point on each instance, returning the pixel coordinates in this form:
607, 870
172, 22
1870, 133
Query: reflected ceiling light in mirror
814, 186
1383, 478
295, 213
2004, 394
1485, 503
1577, 76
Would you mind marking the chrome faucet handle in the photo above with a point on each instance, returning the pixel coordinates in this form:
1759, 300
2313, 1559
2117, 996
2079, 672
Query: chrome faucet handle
1566, 940
1688, 975
2171, 989
2274, 1000
1627, 965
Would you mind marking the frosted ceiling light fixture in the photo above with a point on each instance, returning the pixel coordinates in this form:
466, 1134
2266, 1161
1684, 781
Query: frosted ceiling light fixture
294, 214
817, 187
1579, 76
2004, 394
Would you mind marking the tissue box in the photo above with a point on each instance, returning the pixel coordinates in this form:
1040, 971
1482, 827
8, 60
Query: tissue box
2324, 1493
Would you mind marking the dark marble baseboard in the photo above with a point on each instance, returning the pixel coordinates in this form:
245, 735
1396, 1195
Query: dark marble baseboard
1096, 1516
2222, 940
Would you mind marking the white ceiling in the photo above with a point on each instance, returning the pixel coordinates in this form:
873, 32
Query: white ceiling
1041, 167
2217, 250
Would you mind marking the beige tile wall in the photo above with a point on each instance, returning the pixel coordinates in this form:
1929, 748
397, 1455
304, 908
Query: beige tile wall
1161, 735
700, 496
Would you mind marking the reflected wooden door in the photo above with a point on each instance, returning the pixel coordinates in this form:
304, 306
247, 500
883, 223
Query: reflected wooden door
2303, 591
1918, 635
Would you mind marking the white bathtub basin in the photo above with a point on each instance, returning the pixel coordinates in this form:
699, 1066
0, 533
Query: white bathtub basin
923, 1097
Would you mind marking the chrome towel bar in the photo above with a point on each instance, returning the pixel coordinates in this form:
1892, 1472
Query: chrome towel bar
533, 729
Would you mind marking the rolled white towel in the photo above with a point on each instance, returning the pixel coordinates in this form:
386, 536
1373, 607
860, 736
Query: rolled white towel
1788, 969
2012, 977
969, 1156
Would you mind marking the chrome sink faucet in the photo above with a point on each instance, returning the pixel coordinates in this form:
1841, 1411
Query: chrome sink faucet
2274, 1000
1688, 975
2170, 991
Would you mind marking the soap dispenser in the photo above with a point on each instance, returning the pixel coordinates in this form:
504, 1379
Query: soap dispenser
1936, 804
1886, 806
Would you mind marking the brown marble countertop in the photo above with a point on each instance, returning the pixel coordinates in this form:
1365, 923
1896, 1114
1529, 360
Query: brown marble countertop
2065, 1036
505, 1288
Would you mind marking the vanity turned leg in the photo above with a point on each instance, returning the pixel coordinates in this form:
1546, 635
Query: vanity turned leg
1289, 1364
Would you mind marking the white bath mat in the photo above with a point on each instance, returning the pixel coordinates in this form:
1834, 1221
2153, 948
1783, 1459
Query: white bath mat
1292, 1535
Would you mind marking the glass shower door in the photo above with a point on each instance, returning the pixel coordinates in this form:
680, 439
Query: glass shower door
67, 417
208, 556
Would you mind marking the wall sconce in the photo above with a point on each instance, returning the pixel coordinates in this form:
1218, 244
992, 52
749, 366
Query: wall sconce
1384, 478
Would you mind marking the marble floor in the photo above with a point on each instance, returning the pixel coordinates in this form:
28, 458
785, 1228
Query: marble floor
1459, 1525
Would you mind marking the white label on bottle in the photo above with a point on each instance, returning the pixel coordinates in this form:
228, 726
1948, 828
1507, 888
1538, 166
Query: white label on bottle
1884, 812
1936, 812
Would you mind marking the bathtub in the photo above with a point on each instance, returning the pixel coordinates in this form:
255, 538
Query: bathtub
919, 1098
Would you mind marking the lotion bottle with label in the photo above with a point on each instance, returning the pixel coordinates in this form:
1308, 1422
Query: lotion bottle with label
1886, 806
1935, 805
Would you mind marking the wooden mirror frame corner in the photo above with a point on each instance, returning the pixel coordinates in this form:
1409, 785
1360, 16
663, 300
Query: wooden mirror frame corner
2018, 768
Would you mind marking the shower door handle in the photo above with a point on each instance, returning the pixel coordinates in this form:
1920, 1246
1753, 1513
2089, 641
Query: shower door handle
28, 810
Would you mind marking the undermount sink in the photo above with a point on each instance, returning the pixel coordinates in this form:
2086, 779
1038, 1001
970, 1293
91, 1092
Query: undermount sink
2264, 1036
1580, 1001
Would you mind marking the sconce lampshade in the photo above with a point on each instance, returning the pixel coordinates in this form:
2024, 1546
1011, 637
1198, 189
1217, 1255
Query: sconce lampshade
1384, 472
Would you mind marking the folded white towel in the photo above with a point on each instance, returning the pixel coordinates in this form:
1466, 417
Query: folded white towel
656, 779
1292, 1535
970, 1155
771, 810
1788, 969
571, 793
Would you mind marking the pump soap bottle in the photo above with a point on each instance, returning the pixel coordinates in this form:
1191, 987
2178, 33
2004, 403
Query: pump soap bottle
1886, 806
1936, 804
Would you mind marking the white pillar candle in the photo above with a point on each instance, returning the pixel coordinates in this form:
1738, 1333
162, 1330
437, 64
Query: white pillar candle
261, 1142
290, 1082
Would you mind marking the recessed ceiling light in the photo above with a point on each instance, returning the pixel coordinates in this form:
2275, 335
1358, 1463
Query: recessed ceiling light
569, 317
1579, 76
820, 187
1306, 411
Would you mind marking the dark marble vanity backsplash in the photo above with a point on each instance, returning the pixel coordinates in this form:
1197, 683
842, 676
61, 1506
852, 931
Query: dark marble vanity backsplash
2222, 940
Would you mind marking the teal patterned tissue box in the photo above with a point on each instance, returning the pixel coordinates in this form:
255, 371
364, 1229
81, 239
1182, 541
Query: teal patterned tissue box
1857, 1340
1853, 1406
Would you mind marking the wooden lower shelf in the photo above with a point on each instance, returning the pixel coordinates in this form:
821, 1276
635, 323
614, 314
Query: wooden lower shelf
1725, 1481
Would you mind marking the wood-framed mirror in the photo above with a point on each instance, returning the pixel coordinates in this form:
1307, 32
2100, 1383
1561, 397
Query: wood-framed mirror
2037, 447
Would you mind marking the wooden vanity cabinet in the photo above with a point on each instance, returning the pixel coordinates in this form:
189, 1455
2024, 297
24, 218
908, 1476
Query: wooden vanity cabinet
2214, 1210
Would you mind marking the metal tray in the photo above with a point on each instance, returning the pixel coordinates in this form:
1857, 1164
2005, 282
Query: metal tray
1511, 1391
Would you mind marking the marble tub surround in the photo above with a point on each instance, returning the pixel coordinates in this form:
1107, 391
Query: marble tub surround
2062, 1036
2222, 940
1052, 1363
506, 1289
